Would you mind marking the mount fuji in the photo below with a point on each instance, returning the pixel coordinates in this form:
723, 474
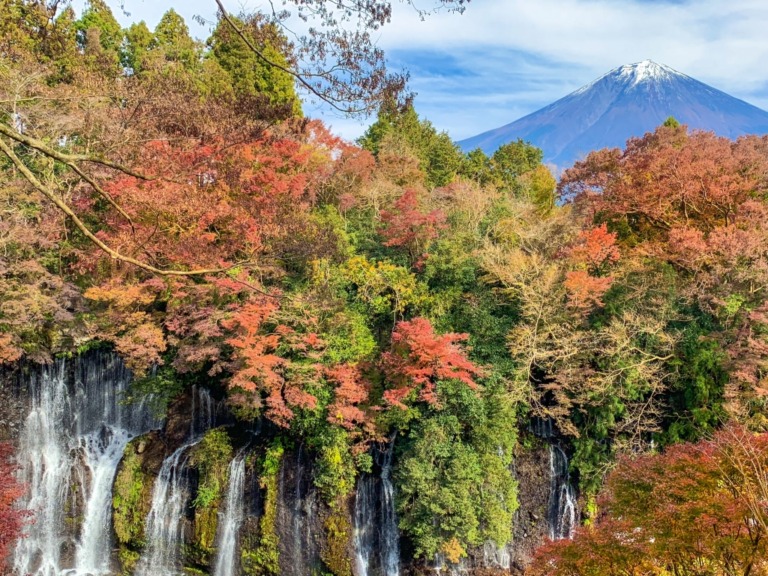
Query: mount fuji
627, 101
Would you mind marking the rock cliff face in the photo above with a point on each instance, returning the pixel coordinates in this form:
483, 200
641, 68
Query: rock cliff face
531, 526
117, 491
14, 402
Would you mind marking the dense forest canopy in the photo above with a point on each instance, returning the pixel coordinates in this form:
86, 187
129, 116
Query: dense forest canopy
167, 199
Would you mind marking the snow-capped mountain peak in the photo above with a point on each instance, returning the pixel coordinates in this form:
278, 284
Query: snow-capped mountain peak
627, 101
645, 71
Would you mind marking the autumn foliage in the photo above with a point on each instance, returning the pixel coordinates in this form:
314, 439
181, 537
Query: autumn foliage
419, 358
409, 227
12, 520
155, 203
696, 202
696, 508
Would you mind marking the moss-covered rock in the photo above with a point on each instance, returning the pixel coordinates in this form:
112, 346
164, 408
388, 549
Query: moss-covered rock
131, 501
211, 458
262, 557
337, 544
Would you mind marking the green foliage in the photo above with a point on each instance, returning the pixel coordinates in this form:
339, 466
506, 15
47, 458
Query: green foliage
338, 537
249, 74
696, 393
211, 457
100, 36
172, 38
156, 389
335, 467
264, 559
454, 486
382, 289
439, 158
138, 40
131, 503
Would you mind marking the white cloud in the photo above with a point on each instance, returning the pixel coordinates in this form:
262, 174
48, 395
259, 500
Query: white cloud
521, 54
722, 44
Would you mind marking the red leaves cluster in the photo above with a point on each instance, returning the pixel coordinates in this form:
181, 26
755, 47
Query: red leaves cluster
260, 376
702, 504
350, 392
585, 291
419, 359
275, 364
12, 520
670, 178
209, 208
594, 250
406, 226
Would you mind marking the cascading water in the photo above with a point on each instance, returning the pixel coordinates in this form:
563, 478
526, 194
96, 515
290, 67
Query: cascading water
365, 524
102, 456
495, 557
376, 535
70, 446
164, 523
203, 412
170, 495
390, 533
230, 522
562, 498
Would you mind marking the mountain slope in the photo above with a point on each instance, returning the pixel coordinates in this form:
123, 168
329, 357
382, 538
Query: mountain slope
627, 101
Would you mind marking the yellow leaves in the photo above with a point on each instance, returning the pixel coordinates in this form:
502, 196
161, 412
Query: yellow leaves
121, 296
127, 322
453, 550
141, 345
383, 286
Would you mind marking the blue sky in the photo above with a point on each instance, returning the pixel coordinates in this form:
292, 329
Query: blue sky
503, 59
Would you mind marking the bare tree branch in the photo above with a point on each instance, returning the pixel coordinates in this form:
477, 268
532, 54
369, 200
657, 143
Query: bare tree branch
67, 158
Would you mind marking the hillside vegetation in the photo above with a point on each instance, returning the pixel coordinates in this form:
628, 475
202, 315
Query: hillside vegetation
167, 199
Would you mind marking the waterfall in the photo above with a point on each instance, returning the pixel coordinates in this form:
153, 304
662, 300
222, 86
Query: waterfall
390, 533
71, 443
364, 537
164, 523
562, 497
230, 522
542, 427
496, 557
203, 412
170, 495
376, 534
102, 453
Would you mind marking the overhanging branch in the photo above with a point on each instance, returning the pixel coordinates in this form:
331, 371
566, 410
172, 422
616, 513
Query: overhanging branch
66, 209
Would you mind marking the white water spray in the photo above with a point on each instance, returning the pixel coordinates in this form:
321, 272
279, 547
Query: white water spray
562, 497
170, 496
70, 446
376, 534
230, 521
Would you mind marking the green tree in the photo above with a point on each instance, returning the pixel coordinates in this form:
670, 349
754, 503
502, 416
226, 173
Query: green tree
172, 37
439, 158
249, 74
512, 160
138, 40
98, 17
454, 485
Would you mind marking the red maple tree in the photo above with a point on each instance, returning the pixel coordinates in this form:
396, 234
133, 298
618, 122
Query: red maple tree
419, 358
12, 519
407, 226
